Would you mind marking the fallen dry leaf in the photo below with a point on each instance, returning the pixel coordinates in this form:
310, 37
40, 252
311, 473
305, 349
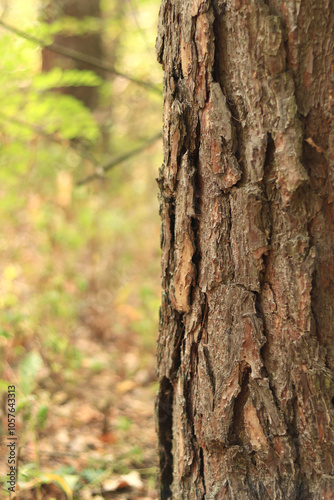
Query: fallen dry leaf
125, 386
107, 438
85, 414
131, 480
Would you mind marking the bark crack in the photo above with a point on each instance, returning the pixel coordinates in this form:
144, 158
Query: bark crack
202, 472
165, 431
237, 427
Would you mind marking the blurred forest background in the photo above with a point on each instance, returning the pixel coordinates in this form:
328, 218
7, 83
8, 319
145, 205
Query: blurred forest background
79, 261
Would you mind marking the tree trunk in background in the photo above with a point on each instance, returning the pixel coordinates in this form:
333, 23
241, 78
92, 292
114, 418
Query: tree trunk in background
245, 351
88, 44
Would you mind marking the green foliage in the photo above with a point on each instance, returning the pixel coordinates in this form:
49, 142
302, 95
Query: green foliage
66, 249
41, 416
58, 77
68, 26
29, 368
124, 423
92, 475
29, 473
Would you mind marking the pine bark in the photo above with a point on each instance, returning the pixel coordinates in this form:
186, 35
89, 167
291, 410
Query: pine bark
245, 352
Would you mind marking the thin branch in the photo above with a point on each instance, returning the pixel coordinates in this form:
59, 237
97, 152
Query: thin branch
139, 28
100, 171
30, 126
79, 56
50, 137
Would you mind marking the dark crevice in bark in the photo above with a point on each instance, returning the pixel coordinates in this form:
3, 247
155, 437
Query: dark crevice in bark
268, 177
171, 204
313, 308
190, 391
292, 424
197, 257
201, 457
165, 430
217, 30
178, 340
237, 430
205, 309
268, 187
210, 371
258, 307
195, 221
172, 220
229, 230
194, 160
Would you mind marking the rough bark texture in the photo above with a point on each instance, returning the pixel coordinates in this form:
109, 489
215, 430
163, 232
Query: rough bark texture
245, 351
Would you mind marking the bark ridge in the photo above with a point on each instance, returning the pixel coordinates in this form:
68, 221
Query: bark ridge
245, 349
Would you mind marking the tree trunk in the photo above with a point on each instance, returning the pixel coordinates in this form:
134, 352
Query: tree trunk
87, 44
245, 350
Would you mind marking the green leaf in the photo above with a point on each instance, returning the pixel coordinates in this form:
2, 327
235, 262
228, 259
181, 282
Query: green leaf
41, 416
58, 77
67, 25
124, 423
4, 385
5, 334
71, 480
29, 368
92, 474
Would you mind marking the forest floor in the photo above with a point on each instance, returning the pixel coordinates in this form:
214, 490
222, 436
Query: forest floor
99, 434
79, 299
79, 264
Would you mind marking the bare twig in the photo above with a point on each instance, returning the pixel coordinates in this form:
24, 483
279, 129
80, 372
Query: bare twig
140, 29
79, 56
30, 126
50, 137
100, 171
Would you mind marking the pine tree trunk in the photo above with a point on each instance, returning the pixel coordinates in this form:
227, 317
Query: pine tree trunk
245, 353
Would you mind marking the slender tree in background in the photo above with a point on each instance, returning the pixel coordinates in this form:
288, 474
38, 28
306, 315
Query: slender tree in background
87, 44
245, 353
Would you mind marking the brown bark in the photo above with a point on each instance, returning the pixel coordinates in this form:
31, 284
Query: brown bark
245, 352
88, 44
